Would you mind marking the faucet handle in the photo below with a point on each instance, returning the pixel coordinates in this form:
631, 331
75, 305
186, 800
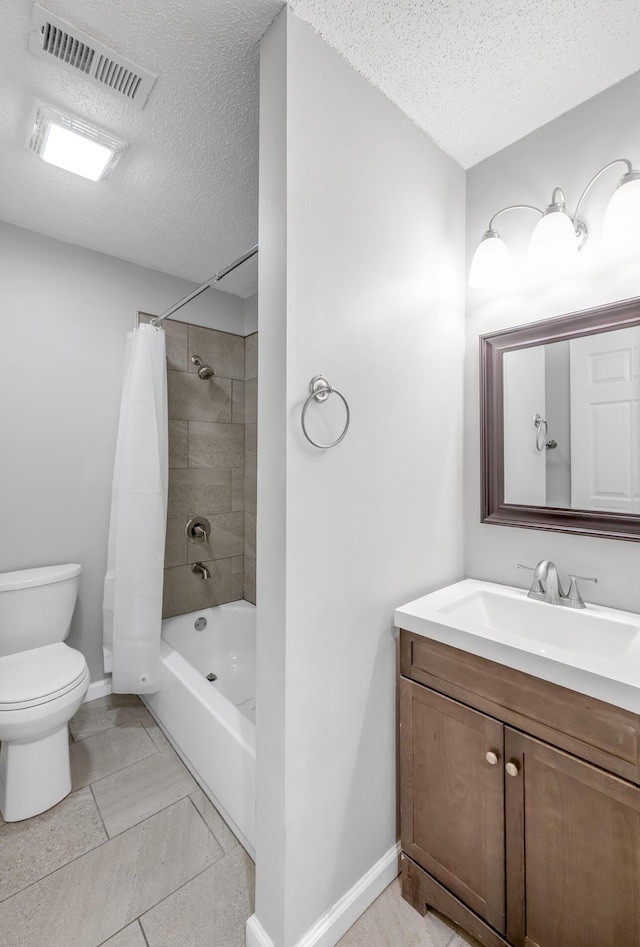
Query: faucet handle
573, 598
537, 589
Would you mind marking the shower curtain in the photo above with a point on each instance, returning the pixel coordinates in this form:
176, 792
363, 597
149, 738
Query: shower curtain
132, 608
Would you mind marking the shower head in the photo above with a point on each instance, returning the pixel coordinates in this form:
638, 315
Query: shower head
204, 371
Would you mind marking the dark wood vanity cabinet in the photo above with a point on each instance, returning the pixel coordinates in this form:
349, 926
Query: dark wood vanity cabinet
520, 832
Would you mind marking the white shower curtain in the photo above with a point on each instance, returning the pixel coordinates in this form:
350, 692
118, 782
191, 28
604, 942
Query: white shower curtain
132, 607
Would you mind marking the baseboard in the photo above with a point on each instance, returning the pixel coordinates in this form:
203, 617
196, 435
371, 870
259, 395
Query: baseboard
256, 936
336, 921
98, 689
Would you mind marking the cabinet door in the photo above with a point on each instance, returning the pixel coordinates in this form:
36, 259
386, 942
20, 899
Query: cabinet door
452, 797
573, 850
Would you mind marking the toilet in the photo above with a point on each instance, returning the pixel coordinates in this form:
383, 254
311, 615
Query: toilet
42, 684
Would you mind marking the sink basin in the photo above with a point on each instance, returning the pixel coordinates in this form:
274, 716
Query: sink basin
545, 626
595, 650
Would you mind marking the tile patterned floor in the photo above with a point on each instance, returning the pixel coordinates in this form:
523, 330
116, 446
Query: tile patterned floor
137, 856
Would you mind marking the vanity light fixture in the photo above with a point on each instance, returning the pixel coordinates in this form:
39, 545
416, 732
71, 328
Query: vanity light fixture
73, 144
558, 236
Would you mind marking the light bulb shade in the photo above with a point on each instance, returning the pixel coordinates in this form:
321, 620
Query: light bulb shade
554, 245
622, 217
491, 264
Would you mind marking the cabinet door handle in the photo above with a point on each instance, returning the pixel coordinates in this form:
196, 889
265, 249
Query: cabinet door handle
512, 768
491, 757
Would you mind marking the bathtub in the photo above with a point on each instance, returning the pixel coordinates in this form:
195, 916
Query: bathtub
211, 723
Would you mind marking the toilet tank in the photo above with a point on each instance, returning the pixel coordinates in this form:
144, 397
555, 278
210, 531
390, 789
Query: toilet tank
36, 606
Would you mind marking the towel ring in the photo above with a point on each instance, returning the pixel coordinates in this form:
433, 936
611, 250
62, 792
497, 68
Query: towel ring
320, 390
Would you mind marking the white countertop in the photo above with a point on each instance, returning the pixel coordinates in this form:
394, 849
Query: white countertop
608, 667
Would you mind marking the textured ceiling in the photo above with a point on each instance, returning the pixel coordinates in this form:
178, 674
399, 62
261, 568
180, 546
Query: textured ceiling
475, 74
184, 199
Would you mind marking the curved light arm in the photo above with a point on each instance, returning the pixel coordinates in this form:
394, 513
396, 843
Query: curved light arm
593, 181
514, 207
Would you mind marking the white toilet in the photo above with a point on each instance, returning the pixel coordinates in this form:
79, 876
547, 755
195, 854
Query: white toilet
42, 684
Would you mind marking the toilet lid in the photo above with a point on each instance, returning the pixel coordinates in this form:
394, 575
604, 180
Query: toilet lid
33, 677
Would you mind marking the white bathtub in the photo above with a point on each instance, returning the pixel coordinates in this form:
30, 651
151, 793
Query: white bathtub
212, 724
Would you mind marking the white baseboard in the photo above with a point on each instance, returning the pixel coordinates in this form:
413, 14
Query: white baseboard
98, 689
336, 921
256, 936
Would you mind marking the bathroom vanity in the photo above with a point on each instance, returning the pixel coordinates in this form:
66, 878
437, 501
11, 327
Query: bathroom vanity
520, 778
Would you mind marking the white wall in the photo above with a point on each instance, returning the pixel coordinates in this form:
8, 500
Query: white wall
361, 277
64, 317
566, 153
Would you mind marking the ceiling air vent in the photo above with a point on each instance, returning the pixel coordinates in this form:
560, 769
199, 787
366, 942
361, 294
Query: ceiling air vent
54, 38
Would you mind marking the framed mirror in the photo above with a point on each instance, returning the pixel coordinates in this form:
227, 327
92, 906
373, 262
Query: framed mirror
560, 423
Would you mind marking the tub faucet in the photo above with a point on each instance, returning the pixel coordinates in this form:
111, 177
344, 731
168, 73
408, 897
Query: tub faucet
200, 569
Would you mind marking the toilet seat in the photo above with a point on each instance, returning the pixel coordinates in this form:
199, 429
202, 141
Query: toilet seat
31, 678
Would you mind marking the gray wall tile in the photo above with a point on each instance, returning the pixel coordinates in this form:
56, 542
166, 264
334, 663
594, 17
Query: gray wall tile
175, 547
237, 488
226, 538
251, 439
192, 399
250, 579
178, 443
176, 341
186, 592
251, 356
142, 789
216, 445
221, 350
237, 578
237, 402
250, 489
250, 534
98, 894
197, 489
251, 401
33, 849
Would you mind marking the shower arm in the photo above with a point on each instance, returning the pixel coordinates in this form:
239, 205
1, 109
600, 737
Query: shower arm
214, 279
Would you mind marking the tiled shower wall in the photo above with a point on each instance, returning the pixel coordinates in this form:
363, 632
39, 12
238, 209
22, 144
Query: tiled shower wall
207, 452
250, 464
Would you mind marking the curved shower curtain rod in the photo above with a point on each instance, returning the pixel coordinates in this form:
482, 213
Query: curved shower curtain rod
214, 279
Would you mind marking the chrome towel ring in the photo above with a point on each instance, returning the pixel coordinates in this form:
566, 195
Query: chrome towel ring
320, 390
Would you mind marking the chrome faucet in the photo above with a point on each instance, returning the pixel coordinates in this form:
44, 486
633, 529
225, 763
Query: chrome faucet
546, 585
547, 575
199, 568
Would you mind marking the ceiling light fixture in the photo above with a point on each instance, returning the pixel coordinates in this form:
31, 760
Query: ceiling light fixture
73, 144
557, 236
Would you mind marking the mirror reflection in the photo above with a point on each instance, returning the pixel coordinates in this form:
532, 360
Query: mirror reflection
572, 423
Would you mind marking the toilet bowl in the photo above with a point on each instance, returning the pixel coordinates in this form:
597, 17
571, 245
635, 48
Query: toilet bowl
42, 684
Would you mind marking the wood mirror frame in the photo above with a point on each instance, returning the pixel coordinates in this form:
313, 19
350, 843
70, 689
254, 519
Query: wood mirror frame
493, 345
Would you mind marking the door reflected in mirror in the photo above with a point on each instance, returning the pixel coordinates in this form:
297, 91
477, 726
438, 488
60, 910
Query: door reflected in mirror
571, 423
561, 423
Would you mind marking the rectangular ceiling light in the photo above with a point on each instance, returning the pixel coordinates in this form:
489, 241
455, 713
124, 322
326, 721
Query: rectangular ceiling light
73, 144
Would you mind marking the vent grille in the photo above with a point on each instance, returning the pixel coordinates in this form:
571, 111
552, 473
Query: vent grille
54, 38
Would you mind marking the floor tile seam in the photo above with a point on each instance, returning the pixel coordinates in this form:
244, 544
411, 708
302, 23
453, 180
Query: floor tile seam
60, 867
141, 929
208, 827
115, 726
150, 816
105, 842
179, 888
95, 801
120, 769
